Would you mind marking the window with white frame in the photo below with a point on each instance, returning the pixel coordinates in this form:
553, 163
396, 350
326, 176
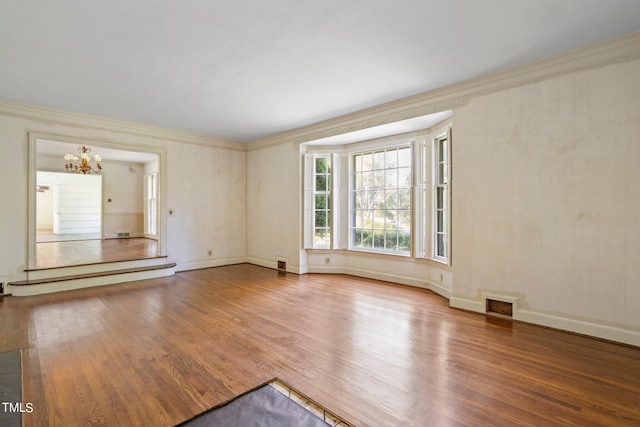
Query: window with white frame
441, 167
381, 185
389, 196
152, 203
322, 201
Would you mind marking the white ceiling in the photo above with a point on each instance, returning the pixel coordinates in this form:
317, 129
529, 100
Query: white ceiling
246, 69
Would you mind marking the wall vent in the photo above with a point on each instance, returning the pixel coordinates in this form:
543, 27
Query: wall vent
122, 234
282, 266
502, 308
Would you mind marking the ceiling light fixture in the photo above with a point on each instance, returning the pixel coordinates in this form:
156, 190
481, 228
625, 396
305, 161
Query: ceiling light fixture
71, 161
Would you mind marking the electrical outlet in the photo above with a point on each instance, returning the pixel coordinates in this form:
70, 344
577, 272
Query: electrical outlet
327, 260
210, 252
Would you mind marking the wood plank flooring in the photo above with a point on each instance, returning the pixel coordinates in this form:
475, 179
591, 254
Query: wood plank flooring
160, 351
80, 252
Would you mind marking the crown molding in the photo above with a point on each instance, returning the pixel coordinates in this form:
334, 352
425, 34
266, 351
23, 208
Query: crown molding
60, 117
619, 49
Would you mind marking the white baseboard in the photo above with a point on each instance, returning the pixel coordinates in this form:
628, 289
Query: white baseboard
131, 235
593, 329
208, 263
274, 265
386, 277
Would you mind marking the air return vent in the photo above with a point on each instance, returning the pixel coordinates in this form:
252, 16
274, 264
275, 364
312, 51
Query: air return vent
122, 234
282, 266
502, 308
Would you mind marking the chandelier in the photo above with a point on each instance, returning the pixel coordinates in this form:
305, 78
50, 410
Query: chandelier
84, 166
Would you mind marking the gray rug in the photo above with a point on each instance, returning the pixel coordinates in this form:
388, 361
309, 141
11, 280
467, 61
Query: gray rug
10, 388
263, 407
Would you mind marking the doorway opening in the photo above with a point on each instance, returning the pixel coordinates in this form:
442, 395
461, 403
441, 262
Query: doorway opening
78, 219
68, 207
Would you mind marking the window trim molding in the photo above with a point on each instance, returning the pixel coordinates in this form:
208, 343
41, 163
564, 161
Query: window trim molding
447, 201
362, 148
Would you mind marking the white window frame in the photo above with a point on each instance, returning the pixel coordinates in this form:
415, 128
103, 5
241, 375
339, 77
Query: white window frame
151, 196
385, 227
441, 207
327, 193
423, 193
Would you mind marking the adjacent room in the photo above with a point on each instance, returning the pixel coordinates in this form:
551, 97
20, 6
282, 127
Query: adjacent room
361, 214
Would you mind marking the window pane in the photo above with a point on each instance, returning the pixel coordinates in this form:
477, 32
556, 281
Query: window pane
440, 193
442, 173
404, 219
367, 219
440, 245
321, 201
391, 240
364, 199
357, 219
404, 241
392, 159
378, 199
321, 183
322, 237
366, 181
378, 239
357, 163
391, 198
321, 165
367, 161
404, 199
404, 177
404, 157
378, 160
357, 237
392, 220
440, 221
391, 178
321, 218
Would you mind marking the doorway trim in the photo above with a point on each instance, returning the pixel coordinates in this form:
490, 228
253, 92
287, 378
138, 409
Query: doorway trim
161, 152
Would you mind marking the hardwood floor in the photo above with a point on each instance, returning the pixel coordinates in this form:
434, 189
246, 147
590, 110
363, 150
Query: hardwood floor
79, 252
159, 351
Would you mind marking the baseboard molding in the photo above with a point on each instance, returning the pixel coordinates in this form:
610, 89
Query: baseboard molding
209, 263
131, 235
385, 277
295, 269
555, 321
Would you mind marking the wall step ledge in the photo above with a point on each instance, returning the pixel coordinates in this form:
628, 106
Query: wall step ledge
97, 278
74, 270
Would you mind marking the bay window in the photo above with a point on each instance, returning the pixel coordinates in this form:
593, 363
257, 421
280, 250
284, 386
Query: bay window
388, 196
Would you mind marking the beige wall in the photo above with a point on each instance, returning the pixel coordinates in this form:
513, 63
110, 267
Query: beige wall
273, 206
546, 196
205, 185
207, 194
